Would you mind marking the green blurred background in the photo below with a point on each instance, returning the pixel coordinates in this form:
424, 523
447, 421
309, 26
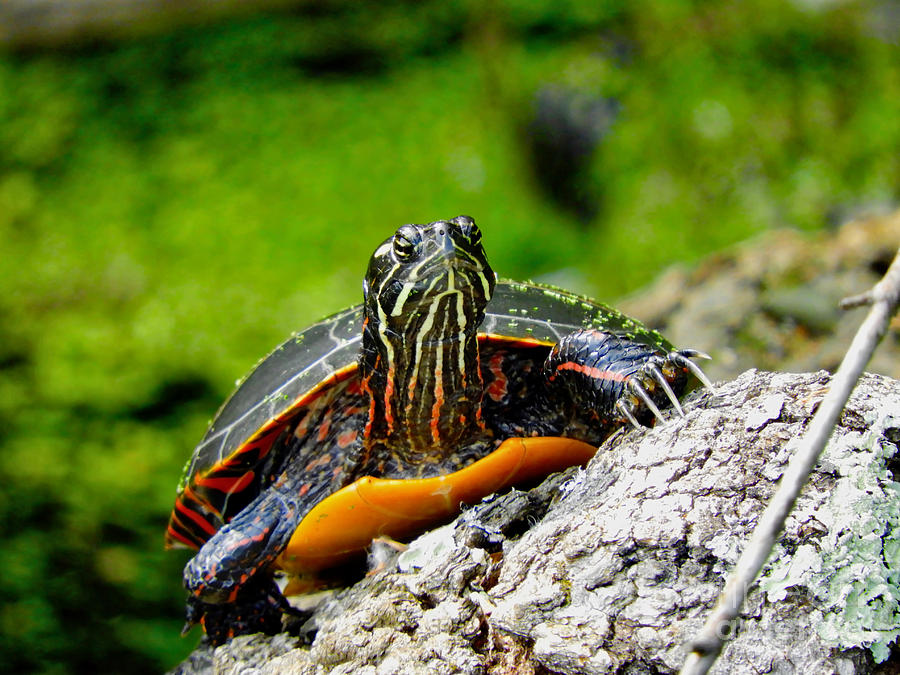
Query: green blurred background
173, 205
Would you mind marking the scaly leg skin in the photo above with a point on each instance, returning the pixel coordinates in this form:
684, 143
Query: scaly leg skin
258, 608
232, 593
613, 380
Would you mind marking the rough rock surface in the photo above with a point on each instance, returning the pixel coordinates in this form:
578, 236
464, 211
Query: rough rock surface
611, 569
771, 302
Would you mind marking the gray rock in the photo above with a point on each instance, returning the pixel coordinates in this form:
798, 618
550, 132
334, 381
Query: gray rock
611, 569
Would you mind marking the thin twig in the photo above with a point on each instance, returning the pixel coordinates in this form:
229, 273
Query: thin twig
884, 298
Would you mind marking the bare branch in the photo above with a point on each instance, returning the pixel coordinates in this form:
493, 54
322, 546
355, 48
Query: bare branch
884, 298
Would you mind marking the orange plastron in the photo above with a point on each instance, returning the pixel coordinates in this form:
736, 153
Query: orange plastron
344, 523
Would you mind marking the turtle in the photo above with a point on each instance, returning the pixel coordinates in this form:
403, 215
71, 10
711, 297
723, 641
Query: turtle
443, 386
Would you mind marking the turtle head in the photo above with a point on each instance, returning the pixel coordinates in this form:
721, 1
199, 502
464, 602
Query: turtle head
429, 282
426, 292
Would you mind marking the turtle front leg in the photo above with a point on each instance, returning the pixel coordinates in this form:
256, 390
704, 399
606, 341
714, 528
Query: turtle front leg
611, 380
231, 593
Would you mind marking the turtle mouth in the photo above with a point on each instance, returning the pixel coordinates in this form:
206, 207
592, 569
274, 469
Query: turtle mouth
458, 273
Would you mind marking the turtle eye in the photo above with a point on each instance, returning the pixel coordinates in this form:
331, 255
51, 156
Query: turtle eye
407, 243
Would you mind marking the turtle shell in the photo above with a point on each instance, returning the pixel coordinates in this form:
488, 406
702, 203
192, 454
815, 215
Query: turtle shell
313, 362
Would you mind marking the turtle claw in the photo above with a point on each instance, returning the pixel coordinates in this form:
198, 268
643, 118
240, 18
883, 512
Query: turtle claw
258, 608
652, 375
627, 414
642, 394
657, 375
683, 358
